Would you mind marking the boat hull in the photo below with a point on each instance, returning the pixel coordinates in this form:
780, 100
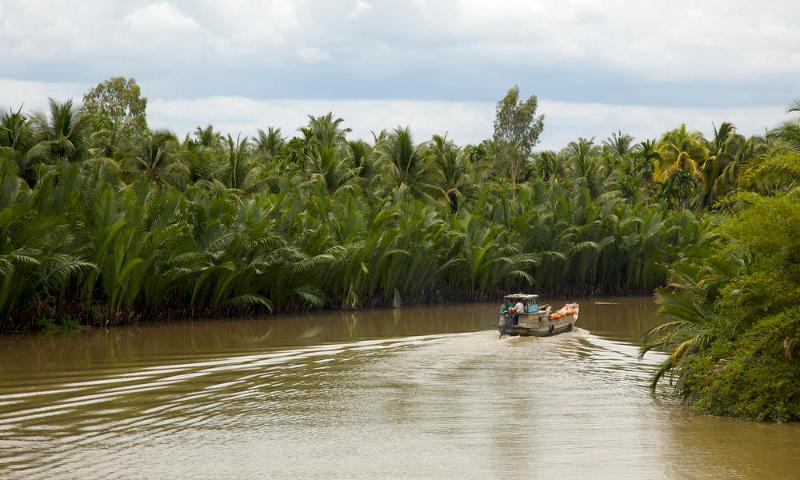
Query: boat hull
547, 328
540, 324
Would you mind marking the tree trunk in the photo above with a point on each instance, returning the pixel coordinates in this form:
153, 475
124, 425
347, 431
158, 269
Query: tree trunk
453, 198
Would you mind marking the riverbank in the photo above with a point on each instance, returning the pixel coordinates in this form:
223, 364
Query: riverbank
75, 316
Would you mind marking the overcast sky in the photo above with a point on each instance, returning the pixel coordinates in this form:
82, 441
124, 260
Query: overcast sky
439, 66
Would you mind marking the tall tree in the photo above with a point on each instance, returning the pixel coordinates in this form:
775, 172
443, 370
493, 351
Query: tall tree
516, 130
117, 101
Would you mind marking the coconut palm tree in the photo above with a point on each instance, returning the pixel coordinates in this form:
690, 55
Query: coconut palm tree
451, 170
16, 140
548, 165
681, 150
789, 131
688, 300
270, 142
326, 130
64, 134
207, 137
619, 145
584, 166
329, 169
156, 159
406, 170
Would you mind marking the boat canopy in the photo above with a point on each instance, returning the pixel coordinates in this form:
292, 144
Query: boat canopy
525, 297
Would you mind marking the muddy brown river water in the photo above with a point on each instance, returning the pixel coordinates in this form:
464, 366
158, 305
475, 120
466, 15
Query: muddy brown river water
410, 393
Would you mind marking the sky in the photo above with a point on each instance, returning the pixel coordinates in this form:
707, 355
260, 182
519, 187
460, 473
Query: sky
597, 67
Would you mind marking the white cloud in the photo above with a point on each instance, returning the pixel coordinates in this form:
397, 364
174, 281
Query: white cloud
32, 96
730, 54
161, 17
359, 9
652, 38
312, 55
683, 41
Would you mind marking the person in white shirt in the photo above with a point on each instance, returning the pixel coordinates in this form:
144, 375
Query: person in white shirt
518, 308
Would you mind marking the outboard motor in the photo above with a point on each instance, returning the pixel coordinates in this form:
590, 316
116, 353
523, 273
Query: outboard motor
506, 323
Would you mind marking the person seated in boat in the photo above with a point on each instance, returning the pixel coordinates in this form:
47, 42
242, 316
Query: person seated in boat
518, 308
506, 306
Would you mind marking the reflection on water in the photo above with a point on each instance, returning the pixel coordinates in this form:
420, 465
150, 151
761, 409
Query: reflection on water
411, 393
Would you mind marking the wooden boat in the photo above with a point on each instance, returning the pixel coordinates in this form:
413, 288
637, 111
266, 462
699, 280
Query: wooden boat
537, 320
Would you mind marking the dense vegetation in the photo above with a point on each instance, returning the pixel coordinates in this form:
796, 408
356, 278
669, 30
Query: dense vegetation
104, 220
734, 338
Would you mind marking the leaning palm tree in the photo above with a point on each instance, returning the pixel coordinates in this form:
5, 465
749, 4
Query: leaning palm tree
778, 167
62, 135
789, 131
688, 300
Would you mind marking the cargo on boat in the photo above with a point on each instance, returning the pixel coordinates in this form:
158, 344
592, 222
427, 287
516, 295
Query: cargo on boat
522, 315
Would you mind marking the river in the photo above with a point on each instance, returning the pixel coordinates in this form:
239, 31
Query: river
422, 392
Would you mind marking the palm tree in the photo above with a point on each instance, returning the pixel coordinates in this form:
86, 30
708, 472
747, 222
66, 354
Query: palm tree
236, 154
645, 158
207, 137
789, 131
619, 144
16, 140
681, 150
157, 160
406, 170
451, 170
584, 165
329, 169
270, 142
688, 300
326, 130
63, 135
779, 166
722, 148
548, 166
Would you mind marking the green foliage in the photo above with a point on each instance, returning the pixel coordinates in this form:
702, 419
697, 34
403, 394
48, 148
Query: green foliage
756, 377
516, 131
117, 101
734, 338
